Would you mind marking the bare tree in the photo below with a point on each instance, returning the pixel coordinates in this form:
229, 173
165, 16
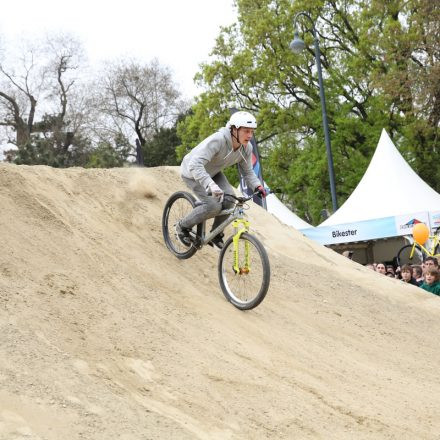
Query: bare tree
38, 99
136, 100
66, 112
21, 82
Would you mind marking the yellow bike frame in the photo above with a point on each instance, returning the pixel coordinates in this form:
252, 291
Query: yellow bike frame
429, 252
241, 225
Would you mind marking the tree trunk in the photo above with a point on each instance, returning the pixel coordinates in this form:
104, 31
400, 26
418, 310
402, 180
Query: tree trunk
139, 154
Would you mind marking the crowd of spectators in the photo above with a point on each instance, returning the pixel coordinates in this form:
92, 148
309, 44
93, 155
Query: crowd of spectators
426, 275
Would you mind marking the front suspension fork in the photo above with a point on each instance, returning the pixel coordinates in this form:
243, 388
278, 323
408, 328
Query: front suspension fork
238, 231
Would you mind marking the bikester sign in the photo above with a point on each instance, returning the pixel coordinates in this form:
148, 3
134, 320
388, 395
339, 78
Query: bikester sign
346, 233
367, 229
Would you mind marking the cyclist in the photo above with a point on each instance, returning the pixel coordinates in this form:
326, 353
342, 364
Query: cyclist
202, 167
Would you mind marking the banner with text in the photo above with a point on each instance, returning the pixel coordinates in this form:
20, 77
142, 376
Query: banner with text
368, 229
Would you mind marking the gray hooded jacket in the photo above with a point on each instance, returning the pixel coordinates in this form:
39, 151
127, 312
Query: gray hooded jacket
213, 155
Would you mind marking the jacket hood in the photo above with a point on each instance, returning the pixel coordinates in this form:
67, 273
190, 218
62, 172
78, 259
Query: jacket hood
226, 135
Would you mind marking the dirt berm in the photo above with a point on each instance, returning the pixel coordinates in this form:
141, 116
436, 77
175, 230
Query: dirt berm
105, 335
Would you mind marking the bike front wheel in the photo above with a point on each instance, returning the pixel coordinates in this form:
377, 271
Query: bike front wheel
244, 276
407, 256
179, 205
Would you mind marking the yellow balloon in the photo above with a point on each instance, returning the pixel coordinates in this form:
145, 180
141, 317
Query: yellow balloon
420, 233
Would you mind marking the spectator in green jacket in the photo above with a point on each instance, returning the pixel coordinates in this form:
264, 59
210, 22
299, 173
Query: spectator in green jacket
431, 283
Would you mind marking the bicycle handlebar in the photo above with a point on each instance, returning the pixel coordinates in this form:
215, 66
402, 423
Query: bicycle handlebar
247, 198
242, 199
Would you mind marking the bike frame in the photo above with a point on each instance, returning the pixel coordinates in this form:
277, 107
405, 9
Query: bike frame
234, 214
430, 253
240, 224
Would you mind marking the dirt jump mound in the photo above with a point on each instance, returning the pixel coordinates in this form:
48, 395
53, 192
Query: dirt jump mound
106, 335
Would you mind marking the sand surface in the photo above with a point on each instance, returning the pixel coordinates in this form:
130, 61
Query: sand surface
105, 335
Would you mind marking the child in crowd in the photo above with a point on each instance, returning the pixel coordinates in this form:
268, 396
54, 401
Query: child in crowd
381, 268
391, 272
407, 275
390, 268
418, 275
431, 283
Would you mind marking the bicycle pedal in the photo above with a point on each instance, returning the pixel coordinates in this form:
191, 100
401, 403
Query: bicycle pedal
218, 249
195, 240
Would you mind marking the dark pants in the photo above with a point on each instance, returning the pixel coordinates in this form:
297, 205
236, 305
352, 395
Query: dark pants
210, 206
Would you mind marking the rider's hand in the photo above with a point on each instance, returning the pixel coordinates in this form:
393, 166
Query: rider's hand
216, 191
261, 191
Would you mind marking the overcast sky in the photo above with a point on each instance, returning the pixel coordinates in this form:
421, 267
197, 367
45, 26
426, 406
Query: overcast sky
180, 33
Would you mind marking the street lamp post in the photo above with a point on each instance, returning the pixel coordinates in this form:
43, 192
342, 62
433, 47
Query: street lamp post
297, 45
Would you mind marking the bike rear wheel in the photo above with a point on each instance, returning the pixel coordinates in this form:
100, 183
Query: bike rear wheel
437, 246
247, 288
404, 256
178, 206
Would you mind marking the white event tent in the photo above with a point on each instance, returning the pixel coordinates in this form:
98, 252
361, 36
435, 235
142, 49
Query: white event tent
284, 214
279, 210
388, 201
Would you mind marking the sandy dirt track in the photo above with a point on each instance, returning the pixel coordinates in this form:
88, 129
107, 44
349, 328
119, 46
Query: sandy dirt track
105, 335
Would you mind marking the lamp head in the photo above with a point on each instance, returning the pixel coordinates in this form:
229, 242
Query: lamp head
297, 45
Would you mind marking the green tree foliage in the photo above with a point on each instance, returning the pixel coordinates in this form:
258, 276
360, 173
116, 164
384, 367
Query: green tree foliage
109, 155
44, 151
381, 68
161, 149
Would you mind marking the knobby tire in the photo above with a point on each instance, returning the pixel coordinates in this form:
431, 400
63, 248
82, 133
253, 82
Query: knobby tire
178, 206
244, 291
403, 257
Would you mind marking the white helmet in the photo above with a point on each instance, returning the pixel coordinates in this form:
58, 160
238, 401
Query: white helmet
242, 119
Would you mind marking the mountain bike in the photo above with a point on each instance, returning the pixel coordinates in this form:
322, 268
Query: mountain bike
416, 253
243, 264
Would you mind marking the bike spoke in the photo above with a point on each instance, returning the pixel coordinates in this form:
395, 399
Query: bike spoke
245, 286
410, 255
180, 209
178, 206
